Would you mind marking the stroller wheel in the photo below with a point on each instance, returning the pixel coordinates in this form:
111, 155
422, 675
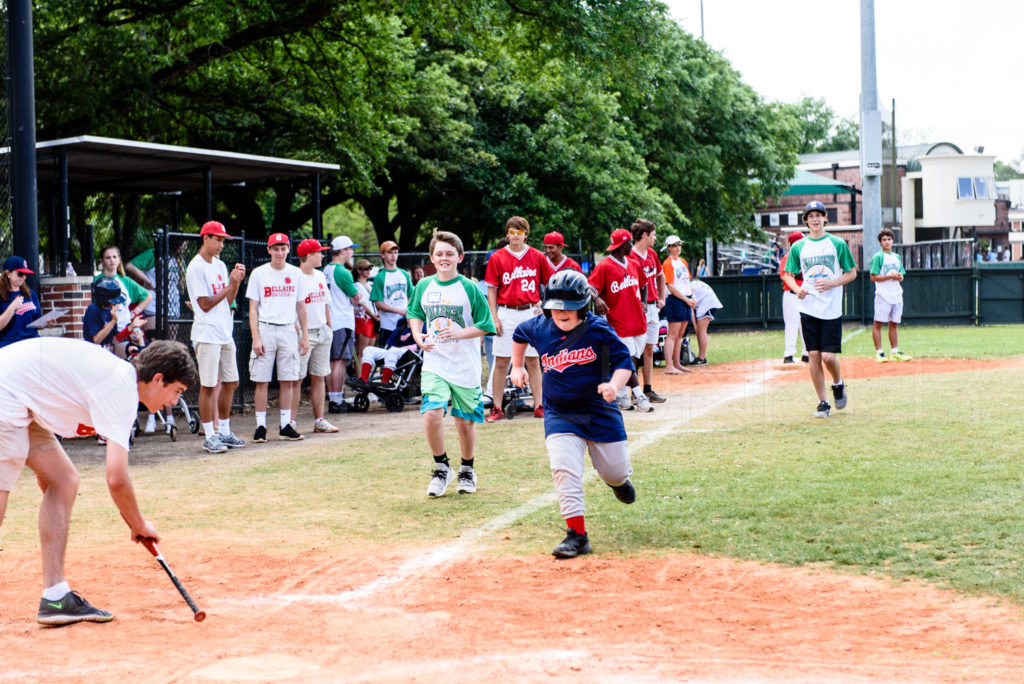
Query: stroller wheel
131, 435
193, 425
394, 402
509, 408
173, 432
362, 403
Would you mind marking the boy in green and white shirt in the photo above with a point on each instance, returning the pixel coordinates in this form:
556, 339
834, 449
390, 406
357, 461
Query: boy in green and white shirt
826, 264
448, 315
392, 288
887, 273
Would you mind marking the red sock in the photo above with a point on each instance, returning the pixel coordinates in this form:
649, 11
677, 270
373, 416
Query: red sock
385, 375
364, 372
576, 523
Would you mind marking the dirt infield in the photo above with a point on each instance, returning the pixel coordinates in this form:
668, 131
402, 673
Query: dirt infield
385, 615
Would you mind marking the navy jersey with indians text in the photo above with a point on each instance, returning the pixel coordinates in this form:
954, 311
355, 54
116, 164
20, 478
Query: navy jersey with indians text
571, 377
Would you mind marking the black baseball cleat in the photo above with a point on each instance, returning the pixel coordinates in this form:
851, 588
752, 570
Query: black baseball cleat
334, 407
70, 609
625, 492
260, 435
289, 433
839, 393
654, 397
788, 359
805, 359
574, 544
823, 410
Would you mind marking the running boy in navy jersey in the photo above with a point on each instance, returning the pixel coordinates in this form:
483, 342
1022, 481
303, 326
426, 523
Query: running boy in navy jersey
578, 351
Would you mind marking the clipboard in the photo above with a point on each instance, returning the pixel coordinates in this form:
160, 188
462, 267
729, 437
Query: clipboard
46, 319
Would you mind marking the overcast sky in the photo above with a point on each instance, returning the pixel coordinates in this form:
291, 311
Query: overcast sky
952, 67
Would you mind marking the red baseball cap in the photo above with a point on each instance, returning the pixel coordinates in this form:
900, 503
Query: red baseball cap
308, 246
277, 239
620, 236
214, 228
387, 246
795, 235
554, 238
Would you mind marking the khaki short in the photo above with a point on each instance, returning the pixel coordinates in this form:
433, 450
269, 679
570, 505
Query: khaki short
317, 361
17, 444
216, 363
282, 348
510, 318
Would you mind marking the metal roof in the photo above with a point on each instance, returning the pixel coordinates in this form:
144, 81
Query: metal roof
97, 164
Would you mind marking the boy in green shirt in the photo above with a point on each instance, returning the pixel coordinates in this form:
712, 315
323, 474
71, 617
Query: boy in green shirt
887, 273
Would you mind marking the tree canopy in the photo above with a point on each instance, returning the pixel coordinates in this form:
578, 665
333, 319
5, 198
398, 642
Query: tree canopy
580, 116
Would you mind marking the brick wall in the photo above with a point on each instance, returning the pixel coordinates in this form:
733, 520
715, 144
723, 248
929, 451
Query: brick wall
71, 293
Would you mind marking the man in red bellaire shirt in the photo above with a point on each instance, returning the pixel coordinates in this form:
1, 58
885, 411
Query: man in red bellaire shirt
514, 277
554, 260
619, 288
644, 235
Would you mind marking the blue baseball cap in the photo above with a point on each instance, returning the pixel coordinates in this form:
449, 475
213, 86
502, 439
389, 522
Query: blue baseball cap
813, 206
17, 263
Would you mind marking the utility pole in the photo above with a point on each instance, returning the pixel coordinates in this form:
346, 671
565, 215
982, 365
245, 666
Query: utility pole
23, 137
870, 135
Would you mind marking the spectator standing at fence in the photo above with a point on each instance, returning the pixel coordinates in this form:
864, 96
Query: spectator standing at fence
344, 296
448, 316
276, 303
316, 361
211, 292
19, 305
554, 244
887, 273
644, 236
679, 304
791, 309
515, 274
702, 269
366, 314
619, 287
826, 264
136, 297
392, 288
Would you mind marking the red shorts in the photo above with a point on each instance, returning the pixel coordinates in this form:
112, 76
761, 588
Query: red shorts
366, 327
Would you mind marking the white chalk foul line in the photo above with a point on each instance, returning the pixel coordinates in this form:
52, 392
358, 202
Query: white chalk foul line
453, 550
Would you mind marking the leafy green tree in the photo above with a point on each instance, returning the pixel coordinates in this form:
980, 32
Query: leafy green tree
1009, 171
821, 130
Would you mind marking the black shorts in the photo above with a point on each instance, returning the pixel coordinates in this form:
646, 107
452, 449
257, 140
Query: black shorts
342, 344
822, 335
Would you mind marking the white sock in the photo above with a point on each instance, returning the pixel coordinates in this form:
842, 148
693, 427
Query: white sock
150, 423
225, 427
335, 397
286, 417
170, 418
208, 429
895, 350
261, 419
638, 391
56, 592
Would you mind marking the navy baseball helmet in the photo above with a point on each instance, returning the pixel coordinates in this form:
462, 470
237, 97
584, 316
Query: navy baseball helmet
812, 206
106, 291
567, 290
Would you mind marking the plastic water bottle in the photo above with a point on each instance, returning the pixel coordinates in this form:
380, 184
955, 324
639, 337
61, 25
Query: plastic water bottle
70, 271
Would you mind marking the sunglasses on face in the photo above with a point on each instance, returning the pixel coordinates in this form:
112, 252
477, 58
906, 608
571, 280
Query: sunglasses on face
516, 231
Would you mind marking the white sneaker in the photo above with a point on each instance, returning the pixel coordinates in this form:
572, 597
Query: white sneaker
467, 480
321, 425
442, 477
150, 425
643, 404
624, 403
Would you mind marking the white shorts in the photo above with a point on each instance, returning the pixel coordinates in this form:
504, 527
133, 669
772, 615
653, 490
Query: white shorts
635, 345
16, 445
565, 453
653, 323
886, 312
216, 363
317, 361
282, 347
509, 319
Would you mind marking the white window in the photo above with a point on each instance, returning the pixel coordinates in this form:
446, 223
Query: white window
981, 188
963, 189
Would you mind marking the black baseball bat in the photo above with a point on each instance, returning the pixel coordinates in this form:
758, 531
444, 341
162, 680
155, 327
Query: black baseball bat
151, 545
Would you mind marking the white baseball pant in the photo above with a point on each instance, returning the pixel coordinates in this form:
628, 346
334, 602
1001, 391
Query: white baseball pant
566, 452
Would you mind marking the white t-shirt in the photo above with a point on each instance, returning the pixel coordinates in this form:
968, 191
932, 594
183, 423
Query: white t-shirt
206, 279
391, 287
276, 290
824, 258
365, 307
885, 263
70, 387
342, 314
456, 303
314, 290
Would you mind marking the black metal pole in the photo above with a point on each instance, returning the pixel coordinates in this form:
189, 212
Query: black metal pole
23, 136
318, 227
63, 222
208, 193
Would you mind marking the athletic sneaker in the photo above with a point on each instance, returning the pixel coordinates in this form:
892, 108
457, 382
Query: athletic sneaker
289, 433
880, 356
699, 362
654, 397
900, 356
643, 404
467, 480
624, 403
101, 440
822, 410
231, 441
494, 415
334, 407
574, 544
625, 492
70, 609
442, 476
805, 359
261, 434
321, 425
788, 359
839, 394
214, 445
538, 412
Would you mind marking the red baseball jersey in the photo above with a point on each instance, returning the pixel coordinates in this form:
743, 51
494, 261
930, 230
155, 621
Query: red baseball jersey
651, 267
782, 269
517, 278
548, 269
618, 284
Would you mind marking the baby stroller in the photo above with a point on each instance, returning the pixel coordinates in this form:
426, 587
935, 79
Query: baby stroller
404, 384
515, 399
686, 357
136, 344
